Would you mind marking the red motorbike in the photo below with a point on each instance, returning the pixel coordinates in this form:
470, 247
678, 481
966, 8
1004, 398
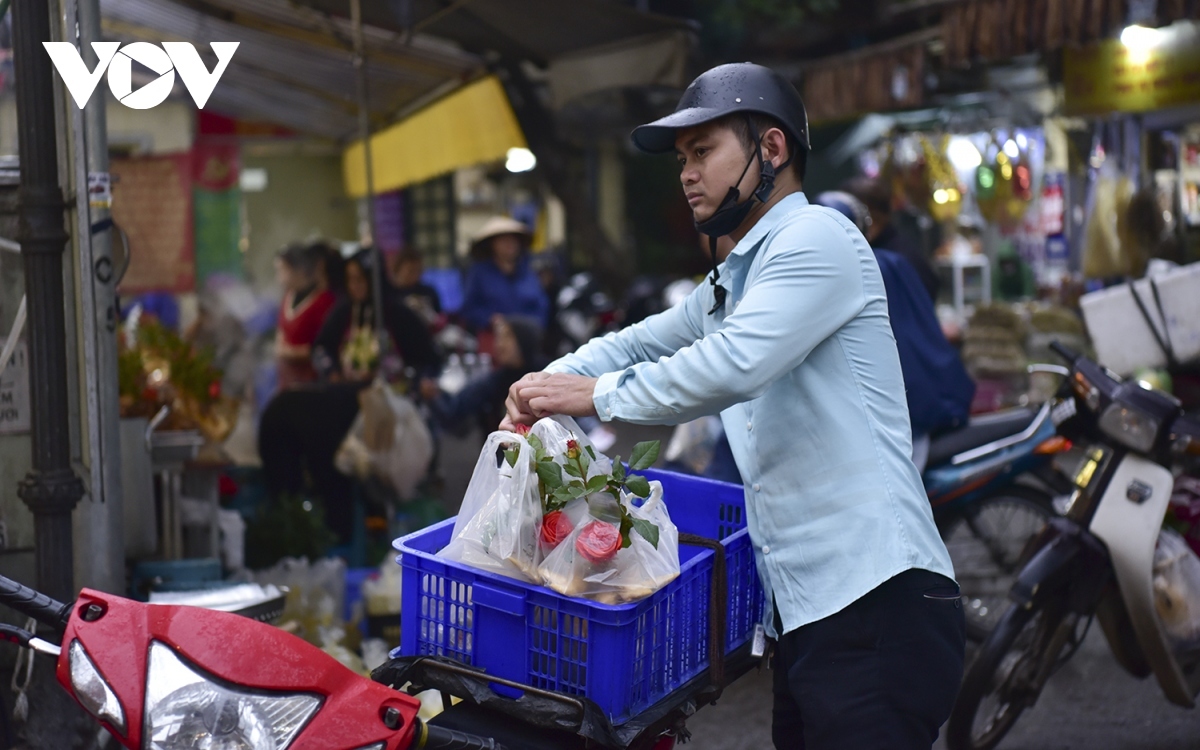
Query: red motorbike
162, 677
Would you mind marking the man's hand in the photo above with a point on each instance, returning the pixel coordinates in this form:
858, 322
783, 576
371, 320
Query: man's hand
518, 412
540, 394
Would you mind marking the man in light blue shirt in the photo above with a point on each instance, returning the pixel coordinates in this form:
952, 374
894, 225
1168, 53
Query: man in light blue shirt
790, 343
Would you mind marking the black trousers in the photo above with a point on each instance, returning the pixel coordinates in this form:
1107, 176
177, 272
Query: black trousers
882, 674
298, 436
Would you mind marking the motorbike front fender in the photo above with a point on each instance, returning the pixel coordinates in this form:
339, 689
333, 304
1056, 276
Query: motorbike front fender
1067, 561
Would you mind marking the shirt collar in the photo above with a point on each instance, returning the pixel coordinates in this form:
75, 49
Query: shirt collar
768, 222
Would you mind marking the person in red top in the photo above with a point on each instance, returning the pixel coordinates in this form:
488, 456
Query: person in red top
303, 270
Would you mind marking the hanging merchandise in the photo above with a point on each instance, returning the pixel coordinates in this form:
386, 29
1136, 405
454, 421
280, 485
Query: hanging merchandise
945, 192
1004, 181
985, 183
1102, 253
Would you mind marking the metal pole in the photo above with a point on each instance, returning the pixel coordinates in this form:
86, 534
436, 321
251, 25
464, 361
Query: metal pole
101, 538
364, 132
51, 489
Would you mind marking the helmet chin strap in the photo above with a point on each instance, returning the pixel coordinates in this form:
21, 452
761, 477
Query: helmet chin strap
730, 214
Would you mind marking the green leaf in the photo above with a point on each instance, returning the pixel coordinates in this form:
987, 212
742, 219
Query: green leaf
534, 442
618, 470
576, 490
573, 470
560, 498
510, 455
638, 485
550, 473
644, 455
626, 525
647, 529
590, 452
597, 483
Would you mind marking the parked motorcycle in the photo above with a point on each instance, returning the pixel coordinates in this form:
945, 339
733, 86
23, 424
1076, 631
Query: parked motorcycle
161, 677
1096, 563
992, 486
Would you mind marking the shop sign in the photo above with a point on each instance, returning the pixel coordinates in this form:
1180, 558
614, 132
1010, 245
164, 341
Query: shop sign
14, 392
1147, 69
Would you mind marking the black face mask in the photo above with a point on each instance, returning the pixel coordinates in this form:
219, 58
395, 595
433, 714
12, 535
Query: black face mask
730, 214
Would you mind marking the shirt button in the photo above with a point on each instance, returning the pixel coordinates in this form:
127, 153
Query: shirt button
608, 411
757, 487
749, 425
766, 549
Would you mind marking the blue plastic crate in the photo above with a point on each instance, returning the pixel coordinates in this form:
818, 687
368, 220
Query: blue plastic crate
624, 657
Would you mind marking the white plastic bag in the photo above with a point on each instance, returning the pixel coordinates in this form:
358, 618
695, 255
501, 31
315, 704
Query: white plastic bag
388, 441
501, 515
1177, 587
591, 562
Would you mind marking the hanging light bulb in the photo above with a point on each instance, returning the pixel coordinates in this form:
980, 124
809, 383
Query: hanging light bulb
520, 160
963, 154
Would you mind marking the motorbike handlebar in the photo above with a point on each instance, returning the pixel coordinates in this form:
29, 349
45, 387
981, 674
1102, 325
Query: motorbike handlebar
440, 738
34, 604
1064, 352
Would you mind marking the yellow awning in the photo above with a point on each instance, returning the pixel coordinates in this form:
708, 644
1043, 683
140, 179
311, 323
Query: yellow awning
474, 124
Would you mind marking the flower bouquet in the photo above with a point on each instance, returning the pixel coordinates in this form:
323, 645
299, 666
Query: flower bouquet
544, 506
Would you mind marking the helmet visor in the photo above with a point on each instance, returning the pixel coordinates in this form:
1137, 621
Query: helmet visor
658, 137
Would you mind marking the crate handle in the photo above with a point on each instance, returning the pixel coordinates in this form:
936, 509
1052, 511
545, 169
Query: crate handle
503, 601
717, 606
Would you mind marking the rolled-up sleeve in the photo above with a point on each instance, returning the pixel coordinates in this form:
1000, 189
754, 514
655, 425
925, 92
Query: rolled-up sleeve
809, 285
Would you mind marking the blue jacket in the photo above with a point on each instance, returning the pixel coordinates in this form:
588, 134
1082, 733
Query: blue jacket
938, 388
489, 291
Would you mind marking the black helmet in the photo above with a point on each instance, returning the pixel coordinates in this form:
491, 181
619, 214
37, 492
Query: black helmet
736, 87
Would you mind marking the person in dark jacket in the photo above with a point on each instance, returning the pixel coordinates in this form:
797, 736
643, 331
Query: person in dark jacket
420, 297
937, 385
517, 348
886, 233
502, 280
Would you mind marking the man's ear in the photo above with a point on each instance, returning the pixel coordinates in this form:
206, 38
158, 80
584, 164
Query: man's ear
775, 147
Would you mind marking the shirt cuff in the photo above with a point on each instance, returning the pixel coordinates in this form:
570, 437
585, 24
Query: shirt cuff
604, 396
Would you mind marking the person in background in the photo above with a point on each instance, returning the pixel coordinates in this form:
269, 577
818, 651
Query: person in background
885, 231
501, 279
517, 348
347, 347
301, 429
302, 271
420, 297
938, 389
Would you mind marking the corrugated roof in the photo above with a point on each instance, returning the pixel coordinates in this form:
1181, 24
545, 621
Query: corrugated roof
536, 30
292, 67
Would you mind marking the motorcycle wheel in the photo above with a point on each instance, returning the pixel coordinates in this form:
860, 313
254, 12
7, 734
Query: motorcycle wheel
987, 542
1008, 674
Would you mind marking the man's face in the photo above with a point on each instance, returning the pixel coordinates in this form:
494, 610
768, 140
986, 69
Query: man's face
710, 159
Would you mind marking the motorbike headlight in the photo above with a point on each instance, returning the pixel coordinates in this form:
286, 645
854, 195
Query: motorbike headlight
186, 709
1130, 427
93, 692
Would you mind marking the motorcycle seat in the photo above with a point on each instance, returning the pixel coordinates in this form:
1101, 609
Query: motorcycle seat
978, 431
